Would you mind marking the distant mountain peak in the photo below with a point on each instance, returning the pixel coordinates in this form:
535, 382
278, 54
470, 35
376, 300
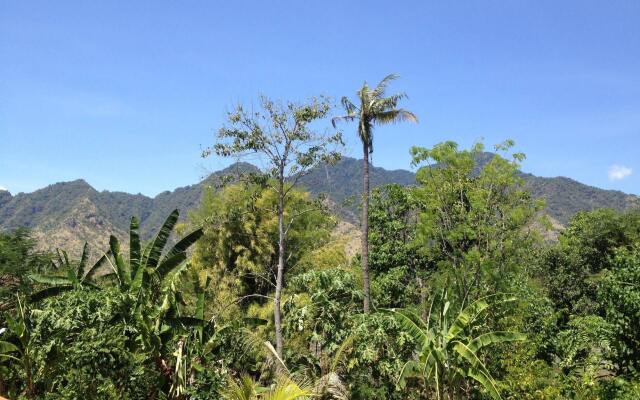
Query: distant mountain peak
77, 184
5, 197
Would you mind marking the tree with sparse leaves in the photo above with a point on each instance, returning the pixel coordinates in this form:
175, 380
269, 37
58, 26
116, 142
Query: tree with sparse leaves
282, 135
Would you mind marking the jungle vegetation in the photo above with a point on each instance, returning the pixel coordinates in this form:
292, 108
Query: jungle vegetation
253, 296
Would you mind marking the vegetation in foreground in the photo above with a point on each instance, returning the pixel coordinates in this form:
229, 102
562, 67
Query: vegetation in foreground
467, 300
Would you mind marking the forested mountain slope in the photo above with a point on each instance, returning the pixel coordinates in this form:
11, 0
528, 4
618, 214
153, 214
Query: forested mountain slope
68, 213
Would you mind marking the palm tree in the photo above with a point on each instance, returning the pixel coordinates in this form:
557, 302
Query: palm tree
374, 109
447, 357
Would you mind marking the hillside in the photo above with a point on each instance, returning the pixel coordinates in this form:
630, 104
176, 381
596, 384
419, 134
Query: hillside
68, 213
342, 183
65, 214
565, 196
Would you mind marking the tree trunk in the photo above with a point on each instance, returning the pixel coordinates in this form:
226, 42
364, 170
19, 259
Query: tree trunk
31, 389
423, 298
163, 368
277, 316
365, 227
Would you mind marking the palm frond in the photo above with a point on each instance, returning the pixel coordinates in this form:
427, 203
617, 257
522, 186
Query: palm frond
244, 389
348, 106
286, 389
380, 89
281, 368
394, 116
153, 257
349, 118
83, 261
134, 246
387, 103
90, 275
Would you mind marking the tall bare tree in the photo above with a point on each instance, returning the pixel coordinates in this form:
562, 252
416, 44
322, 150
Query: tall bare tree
375, 108
281, 135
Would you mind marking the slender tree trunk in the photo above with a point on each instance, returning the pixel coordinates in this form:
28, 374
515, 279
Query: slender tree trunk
423, 298
163, 368
277, 316
365, 227
31, 391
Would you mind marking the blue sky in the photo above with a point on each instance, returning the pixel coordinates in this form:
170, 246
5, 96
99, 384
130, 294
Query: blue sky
125, 94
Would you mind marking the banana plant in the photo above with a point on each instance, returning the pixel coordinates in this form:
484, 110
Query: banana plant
150, 278
448, 358
148, 271
75, 277
188, 354
17, 348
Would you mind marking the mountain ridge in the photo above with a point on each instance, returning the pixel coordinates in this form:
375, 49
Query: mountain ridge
65, 214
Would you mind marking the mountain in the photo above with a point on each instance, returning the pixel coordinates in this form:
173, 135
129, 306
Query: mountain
564, 196
68, 213
342, 183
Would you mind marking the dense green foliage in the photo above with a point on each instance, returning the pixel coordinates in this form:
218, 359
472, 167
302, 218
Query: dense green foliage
469, 301
18, 259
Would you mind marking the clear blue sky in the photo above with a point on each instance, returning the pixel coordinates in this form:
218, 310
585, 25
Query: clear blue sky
125, 94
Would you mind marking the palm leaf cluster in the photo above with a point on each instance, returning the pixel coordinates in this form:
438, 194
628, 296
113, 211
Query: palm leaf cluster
148, 267
374, 108
286, 386
70, 276
146, 272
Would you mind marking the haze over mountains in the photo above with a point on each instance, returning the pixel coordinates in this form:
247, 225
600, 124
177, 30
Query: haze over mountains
68, 213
